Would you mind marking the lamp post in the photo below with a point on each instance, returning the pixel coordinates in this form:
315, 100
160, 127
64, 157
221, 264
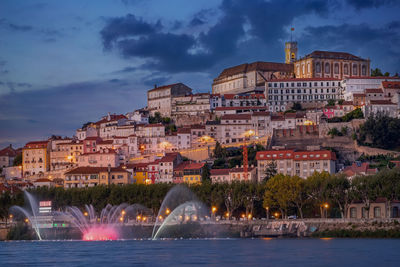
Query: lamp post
326, 206
267, 210
213, 210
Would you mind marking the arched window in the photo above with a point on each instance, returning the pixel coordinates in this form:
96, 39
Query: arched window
308, 68
363, 70
355, 70
377, 212
327, 68
298, 70
353, 212
336, 68
317, 67
346, 69
303, 69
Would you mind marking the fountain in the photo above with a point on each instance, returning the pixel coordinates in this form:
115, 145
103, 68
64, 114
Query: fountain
30, 213
181, 214
108, 225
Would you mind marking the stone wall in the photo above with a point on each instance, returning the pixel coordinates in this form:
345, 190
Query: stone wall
351, 125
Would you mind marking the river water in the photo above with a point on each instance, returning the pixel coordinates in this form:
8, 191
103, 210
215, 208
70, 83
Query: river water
211, 252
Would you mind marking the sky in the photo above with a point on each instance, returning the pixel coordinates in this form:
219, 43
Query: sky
64, 63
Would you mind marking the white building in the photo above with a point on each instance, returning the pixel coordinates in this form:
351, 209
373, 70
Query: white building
196, 104
159, 99
382, 106
281, 94
249, 77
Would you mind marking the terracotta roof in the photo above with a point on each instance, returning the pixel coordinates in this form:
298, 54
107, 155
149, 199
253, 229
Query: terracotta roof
391, 85
255, 66
295, 155
197, 127
359, 168
372, 77
168, 158
163, 87
182, 166
105, 142
183, 131
92, 138
236, 117
194, 166
373, 91
113, 117
91, 170
290, 115
154, 125
219, 172
8, 151
381, 102
358, 94
261, 113
36, 144
241, 108
277, 118
333, 55
136, 165
241, 169
42, 180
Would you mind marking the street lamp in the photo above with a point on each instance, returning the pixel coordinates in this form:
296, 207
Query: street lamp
213, 210
326, 206
167, 211
267, 209
85, 213
276, 215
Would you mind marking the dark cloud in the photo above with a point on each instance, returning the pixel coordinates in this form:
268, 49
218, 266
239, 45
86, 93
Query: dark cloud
31, 115
360, 39
15, 27
125, 70
155, 79
177, 52
128, 26
360, 4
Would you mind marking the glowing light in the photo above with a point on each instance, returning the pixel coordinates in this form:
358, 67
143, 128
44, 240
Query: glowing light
121, 219
243, 215
85, 213
100, 234
326, 205
167, 211
26, 220
138, 217
249, 216
11, 216
160, 217
276, 215
123, 212
227, 214
214, 209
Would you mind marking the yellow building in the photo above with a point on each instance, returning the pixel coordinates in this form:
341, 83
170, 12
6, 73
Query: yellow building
290, 52
192, 173
93, 176
326, 64
35, 158
139, 173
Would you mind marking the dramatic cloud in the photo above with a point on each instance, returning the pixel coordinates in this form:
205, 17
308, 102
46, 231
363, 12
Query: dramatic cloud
60, 110
360, 4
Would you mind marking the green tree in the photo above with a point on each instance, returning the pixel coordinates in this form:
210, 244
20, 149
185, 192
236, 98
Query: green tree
297, 106
205, 174
376, 72
338, 190
277, 194
363, 189
18, 160
271, 170
331, 102
219, 151
315, 189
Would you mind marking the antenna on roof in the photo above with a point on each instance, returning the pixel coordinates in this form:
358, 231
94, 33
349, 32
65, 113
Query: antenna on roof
291, 33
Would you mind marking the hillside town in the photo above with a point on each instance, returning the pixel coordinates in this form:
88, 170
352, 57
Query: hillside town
297, 117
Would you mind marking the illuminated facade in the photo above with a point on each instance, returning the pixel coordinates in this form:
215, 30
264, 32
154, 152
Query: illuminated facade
35, 158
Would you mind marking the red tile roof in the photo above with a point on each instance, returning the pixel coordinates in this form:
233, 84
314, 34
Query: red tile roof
261, 113
8, 152
391, 85
333, 55
356, 169
154, 125
113, 117
255, 66
92, 170
194, 166
236, 117
42, 180
219, 171
183, 131
241, 108
381, 102
163, 87
37, 144
295, 155
373, 91
182, 166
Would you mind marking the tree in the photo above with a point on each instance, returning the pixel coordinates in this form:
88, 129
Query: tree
85, 125
340, 101
338, 190
331, 102
363, 189
297, 106
205, 174
271, 170
376, 72
387, 74
219, 151
333, 132
315, 189
18, 160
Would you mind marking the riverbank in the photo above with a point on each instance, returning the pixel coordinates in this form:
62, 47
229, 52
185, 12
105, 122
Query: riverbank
374, 228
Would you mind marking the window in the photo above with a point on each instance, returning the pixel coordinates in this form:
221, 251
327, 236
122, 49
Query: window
354, 70
353, 212
377, 212
346, 69
363, 70
317, 67
327, 68
364, 213
336, 68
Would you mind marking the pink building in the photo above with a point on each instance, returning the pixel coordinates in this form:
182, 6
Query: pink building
102, 158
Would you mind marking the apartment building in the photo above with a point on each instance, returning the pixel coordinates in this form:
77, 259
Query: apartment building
35, 158
300, 163
281, 94
93, 176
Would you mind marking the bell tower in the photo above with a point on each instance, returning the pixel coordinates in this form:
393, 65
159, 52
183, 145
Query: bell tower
290, 52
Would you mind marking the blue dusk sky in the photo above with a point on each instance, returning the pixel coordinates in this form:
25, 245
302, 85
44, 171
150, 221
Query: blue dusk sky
63, 63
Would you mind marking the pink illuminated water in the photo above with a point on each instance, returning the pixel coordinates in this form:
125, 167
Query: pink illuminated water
100, 233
